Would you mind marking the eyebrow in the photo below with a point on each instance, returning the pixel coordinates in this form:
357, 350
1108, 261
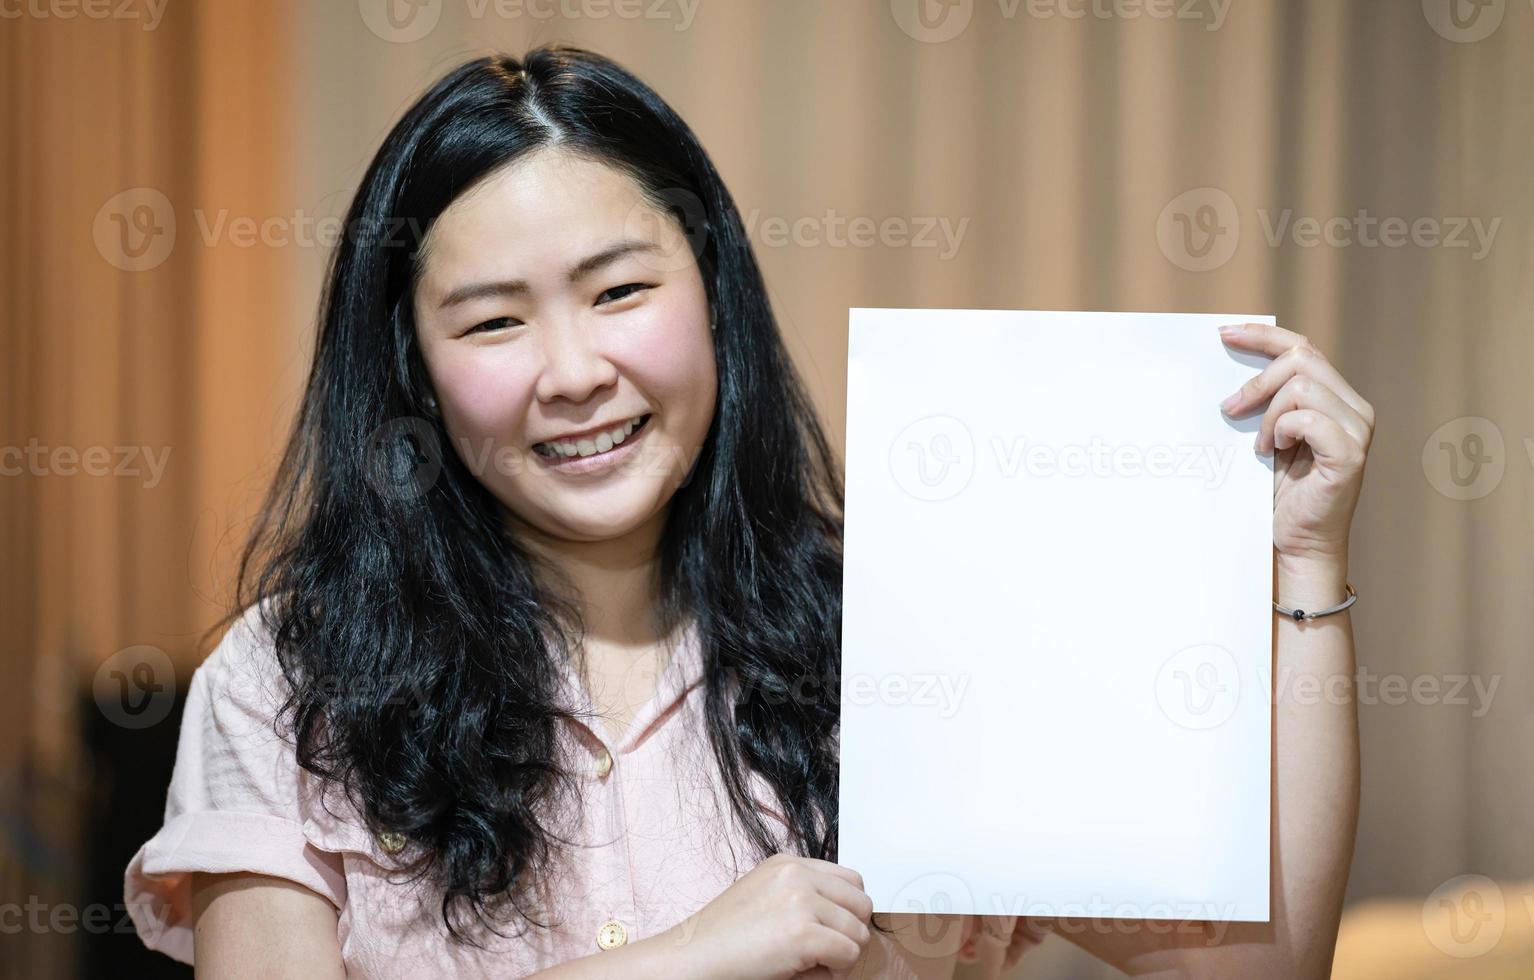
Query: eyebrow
577, 272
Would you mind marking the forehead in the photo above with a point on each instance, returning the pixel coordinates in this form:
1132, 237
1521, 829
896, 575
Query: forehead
549, 205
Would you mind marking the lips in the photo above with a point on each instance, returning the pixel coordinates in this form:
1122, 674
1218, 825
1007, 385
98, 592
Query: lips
592, 442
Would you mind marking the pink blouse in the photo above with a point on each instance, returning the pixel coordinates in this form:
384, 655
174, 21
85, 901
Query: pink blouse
659, 840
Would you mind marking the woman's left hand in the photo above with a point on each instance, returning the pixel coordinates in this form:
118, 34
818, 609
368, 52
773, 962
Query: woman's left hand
1319, 429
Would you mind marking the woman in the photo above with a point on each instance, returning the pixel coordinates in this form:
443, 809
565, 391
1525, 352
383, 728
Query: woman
526, 703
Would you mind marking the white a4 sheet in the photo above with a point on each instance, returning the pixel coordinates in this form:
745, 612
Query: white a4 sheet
1057, 630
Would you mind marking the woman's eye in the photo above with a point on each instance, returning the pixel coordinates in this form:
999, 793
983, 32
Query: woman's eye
622, 292
488, 325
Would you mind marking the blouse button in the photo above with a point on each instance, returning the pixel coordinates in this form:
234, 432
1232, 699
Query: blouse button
612, 934
604, 763
391, 842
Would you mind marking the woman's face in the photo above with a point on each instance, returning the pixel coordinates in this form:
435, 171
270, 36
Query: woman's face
555, 307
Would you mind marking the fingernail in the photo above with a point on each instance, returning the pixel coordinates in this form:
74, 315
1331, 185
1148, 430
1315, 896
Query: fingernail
1231, 401
1227, 329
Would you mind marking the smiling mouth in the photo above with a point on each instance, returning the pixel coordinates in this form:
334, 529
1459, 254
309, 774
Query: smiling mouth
559, 450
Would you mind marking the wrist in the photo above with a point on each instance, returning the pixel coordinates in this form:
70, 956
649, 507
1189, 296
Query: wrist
1311, 582
676, 956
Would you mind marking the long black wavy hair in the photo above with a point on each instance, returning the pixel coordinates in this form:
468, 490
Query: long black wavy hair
417, 643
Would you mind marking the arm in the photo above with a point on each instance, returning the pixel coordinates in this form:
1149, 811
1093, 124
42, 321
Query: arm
1319, 429
654, 958
239, 917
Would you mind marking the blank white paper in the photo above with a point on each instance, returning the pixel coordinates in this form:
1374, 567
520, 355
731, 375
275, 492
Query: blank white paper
1057, 630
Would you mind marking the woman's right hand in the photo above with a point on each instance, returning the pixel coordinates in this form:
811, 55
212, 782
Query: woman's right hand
788, 917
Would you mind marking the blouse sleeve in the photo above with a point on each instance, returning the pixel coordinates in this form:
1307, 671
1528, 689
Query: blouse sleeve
233, 802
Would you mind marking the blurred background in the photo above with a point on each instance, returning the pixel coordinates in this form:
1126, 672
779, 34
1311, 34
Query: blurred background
174, 172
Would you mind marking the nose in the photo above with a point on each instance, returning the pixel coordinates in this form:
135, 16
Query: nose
574, 364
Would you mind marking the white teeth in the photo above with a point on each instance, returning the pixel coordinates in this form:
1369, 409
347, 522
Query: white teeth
589, 447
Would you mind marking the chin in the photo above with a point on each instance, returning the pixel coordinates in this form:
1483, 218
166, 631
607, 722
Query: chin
599, 516
592, 532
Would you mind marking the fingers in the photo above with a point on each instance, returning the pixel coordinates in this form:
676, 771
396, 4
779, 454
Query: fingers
834, 916
832, 868
854, 900
1304, 392
1300, 378
832, 940
1261, 338
834, 896
842, 908
1326, 439
1299, 358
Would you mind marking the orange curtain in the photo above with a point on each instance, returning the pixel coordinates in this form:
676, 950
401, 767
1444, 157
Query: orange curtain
142, 358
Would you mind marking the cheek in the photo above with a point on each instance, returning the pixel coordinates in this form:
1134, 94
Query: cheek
668, 352
483, 394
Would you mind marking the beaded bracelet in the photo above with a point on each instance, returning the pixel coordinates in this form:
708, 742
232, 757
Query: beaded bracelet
1299, 614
